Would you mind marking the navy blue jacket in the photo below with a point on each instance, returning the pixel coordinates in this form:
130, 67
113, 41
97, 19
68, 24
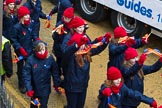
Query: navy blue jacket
8, 24
60, 7
35, 13
117, 99
37, 75
75, 77
116, 53
134, 82
23, 36
58, 39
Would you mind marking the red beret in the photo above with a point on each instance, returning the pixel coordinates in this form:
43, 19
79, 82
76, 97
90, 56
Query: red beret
69, 12
22, 11
119, 32
76, 22
9, 1
113, 73
130, 53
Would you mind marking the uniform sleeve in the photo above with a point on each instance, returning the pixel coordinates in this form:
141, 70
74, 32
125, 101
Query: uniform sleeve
54, 10
68, 50
137, 95
26, 73
7, 59
153, 68
95, 51
116, 49
55, 73
14, 39
38, 7
138, 43
130, 71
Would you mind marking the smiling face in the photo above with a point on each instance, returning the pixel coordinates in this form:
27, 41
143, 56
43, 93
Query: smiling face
117, 82
80, 29
11, 6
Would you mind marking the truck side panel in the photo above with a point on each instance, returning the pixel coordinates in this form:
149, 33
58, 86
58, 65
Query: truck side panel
146, 11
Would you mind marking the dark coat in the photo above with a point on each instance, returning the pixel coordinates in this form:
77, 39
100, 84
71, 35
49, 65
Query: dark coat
8, 24
117, 99
23, 36
133, 80
60, 7
58, 39
116, 53
35, 13
75, 77
37, 75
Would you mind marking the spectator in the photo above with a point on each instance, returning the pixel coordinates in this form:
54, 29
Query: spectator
7, 66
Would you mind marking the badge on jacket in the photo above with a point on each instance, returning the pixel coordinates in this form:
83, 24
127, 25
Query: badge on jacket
24, 32
35, 66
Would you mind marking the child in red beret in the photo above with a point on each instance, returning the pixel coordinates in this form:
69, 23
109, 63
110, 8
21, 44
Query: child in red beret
22, 37
60, 8
58, 37
9, 17
77, 66
35, 8
37, 73
133, 72
114, 91
117, 49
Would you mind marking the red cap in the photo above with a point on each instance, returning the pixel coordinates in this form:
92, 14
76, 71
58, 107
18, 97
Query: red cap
69, 12
76, 22
130, 53
113, 73
22, 11
119, 32
9, 1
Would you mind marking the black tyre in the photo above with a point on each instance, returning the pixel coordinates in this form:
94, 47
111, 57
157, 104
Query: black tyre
90, 10
131, 25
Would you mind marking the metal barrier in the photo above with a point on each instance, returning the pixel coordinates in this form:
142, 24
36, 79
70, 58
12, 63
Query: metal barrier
5, 100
